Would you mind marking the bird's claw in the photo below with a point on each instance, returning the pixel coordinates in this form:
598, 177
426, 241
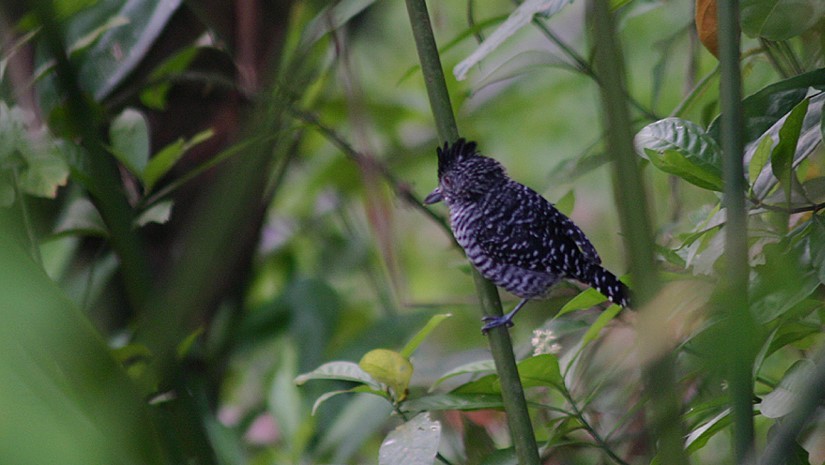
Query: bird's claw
495, 321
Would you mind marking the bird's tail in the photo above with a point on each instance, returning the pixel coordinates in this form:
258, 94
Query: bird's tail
607, 283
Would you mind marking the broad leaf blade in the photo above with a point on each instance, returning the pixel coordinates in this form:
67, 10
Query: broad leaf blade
682, 148
779, 19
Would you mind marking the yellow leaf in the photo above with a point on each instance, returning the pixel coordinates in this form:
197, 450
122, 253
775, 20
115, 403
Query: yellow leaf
390, 368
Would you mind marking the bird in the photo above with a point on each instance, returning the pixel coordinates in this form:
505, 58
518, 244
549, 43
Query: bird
511, 234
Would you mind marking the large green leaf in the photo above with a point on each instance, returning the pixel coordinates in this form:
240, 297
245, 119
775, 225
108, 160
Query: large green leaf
779, 19
63, 397
682, 148
765, 107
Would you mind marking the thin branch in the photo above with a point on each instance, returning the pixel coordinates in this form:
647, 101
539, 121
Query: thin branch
588, 70
401, 189
602, 444
815, 207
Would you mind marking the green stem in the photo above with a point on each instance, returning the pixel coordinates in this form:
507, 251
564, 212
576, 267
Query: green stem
636, 226
104, 179
512, 392
600, 442
740, 332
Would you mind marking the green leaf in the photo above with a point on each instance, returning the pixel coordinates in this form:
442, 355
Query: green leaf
129, 136
588, 298
412, 443
46, 168
816, 238
697, 438
786, 279
482, 366
765, 107
93, 35
522, 64
154, 96
59, 377
419, 337
809, 139
519, 18
101, 70
390, 368
81, 218
779, 19
185, 346
602, 321
682, 148
342, 371
158, 213
782, 400
502, 457
541, 370
360, 389
453, 401
782, 156
761, 155
566, 203
331, 18
163, 161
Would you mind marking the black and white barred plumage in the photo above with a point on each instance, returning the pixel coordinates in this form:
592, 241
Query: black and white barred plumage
511, 234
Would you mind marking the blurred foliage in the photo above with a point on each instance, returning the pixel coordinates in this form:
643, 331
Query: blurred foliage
202, 203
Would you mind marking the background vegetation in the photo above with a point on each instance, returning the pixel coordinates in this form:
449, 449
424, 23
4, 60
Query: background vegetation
211, 219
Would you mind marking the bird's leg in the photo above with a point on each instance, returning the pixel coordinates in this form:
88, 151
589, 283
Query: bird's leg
491, 322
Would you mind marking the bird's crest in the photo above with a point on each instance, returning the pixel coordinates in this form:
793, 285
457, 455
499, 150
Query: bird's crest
450, 155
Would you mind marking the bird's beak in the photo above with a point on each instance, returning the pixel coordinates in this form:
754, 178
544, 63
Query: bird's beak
434, 197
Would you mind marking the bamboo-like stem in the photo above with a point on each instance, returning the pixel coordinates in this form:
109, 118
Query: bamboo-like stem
740, 331
102, 178
636, 226
512, 392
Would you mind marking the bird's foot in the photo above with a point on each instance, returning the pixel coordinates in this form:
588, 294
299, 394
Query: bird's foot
491, 322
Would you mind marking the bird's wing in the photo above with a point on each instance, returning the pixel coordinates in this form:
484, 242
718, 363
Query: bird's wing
525, 230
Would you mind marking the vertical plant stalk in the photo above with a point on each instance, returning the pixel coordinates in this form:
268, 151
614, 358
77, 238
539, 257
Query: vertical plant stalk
636, 226
740, 325
104, 187
512, 392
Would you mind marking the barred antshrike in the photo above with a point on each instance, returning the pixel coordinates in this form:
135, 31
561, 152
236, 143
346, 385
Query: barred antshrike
511, 234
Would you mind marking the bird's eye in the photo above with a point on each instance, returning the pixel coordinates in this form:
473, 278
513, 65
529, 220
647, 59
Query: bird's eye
446, 181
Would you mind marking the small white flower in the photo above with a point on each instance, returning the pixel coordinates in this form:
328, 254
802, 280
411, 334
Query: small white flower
544, 342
